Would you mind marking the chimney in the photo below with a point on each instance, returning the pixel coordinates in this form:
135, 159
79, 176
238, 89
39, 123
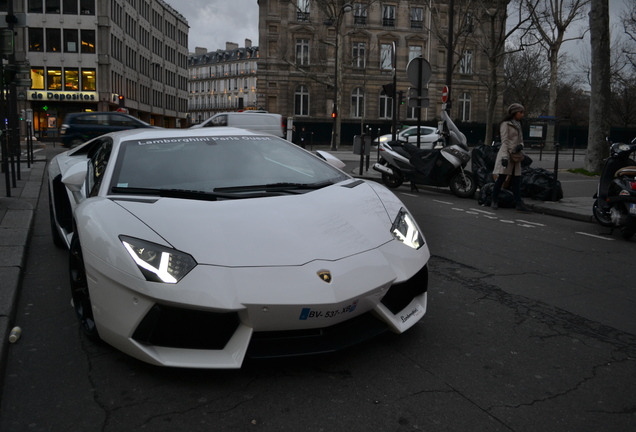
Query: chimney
229, 46
199, 50
248, 43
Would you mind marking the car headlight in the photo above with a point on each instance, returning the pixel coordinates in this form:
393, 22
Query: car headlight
383, 139
158, 263
406, 230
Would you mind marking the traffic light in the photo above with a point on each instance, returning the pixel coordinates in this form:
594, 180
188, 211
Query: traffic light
122, 101
7, 37
334, 114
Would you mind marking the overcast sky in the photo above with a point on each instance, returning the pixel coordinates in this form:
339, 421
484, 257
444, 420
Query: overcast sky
214, 22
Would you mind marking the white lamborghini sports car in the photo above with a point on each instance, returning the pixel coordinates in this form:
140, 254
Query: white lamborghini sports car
201, 247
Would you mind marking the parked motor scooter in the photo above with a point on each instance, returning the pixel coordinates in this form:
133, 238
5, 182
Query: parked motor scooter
615, 205
443, 166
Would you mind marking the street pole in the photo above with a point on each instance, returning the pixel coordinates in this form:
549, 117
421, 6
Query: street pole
334, 113
449, 54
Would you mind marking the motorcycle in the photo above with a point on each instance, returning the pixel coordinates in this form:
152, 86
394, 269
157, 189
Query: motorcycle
442, 166
615, 204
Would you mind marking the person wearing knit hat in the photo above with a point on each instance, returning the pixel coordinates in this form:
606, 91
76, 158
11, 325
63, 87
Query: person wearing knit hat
511, 135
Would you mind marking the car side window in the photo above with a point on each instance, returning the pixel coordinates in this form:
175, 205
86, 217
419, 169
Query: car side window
98, 161
120, 120
220, 120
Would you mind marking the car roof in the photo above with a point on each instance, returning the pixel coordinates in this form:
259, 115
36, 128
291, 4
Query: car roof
180, 133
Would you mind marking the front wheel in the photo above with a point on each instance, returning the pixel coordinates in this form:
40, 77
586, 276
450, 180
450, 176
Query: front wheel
79, 290
603, 218
392, 181
463, 184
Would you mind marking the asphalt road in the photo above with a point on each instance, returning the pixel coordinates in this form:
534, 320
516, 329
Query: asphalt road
529, 328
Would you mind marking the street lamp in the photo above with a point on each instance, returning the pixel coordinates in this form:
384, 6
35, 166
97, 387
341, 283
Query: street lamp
336, 21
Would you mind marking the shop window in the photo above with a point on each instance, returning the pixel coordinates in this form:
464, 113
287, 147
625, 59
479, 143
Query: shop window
53, 40
71, 79
37, 78
54, 79
70, 40
89, 80
88, 41
36, 39
69, 7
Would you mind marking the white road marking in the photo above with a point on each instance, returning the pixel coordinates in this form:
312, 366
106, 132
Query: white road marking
443, 202
595, 236
411, 195
528, 222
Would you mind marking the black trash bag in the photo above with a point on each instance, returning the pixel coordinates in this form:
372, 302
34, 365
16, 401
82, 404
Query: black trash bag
483, 162
539, 184
505, 200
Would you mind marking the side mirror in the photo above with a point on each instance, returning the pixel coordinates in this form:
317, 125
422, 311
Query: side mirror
330, 159
74, 179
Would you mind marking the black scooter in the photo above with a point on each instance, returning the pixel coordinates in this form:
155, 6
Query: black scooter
615, 205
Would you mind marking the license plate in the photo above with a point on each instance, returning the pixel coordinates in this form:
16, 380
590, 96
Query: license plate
632, 208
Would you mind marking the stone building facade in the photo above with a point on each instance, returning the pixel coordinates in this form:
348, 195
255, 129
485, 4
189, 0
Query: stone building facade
297, 41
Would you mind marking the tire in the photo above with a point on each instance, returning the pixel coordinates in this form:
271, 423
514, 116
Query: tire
58, 241
392, 182
463, 185
79, 290
602, 218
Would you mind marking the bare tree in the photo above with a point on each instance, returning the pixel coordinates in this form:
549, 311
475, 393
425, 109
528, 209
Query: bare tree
550, 21
600, 85
527, 80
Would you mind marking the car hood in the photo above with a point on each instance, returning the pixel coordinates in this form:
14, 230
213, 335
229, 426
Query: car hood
326, 224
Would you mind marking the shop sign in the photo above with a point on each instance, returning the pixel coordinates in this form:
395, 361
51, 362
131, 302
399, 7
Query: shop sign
63, 96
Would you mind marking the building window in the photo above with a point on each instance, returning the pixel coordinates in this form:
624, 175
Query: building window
53, 40
386, 106
53, 6
70, 40
466, 63
35, 6
415, 51
69, 7
302, 13
71, 79
412, 113
464, 107
302, 52
87, 7
89, 80
359, 13
36, 39
301, 101
54, 79
417, 17
359, 55
37, 78
357, 103
88, 41
386, 56
388, 16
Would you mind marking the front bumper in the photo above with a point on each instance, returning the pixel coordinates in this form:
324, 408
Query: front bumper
217, 316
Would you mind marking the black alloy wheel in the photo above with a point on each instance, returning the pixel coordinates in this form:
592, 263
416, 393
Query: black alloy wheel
79, 290
603, 218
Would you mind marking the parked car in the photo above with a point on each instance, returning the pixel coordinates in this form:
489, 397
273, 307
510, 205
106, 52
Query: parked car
200, 247
250, 120
77, 128
428, 136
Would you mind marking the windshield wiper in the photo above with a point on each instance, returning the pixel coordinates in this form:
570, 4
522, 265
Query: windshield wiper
276, 187
172, 193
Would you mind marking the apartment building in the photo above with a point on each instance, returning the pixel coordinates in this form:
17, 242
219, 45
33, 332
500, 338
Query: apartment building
222, 80
94, 55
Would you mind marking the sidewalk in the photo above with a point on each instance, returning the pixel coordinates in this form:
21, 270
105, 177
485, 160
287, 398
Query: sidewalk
17, 214
16, 222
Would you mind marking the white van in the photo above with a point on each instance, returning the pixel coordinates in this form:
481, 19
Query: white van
258, 122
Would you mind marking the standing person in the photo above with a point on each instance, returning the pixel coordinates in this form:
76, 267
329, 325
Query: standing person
303, 137
511, 142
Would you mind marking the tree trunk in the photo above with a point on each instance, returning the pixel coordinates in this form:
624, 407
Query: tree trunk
599, 127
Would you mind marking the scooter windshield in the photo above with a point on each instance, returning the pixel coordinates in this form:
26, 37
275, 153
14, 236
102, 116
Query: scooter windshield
455, 136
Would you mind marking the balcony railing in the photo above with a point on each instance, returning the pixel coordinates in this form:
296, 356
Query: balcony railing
388, 22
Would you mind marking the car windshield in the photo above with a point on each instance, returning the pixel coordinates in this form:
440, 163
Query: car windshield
232, 164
